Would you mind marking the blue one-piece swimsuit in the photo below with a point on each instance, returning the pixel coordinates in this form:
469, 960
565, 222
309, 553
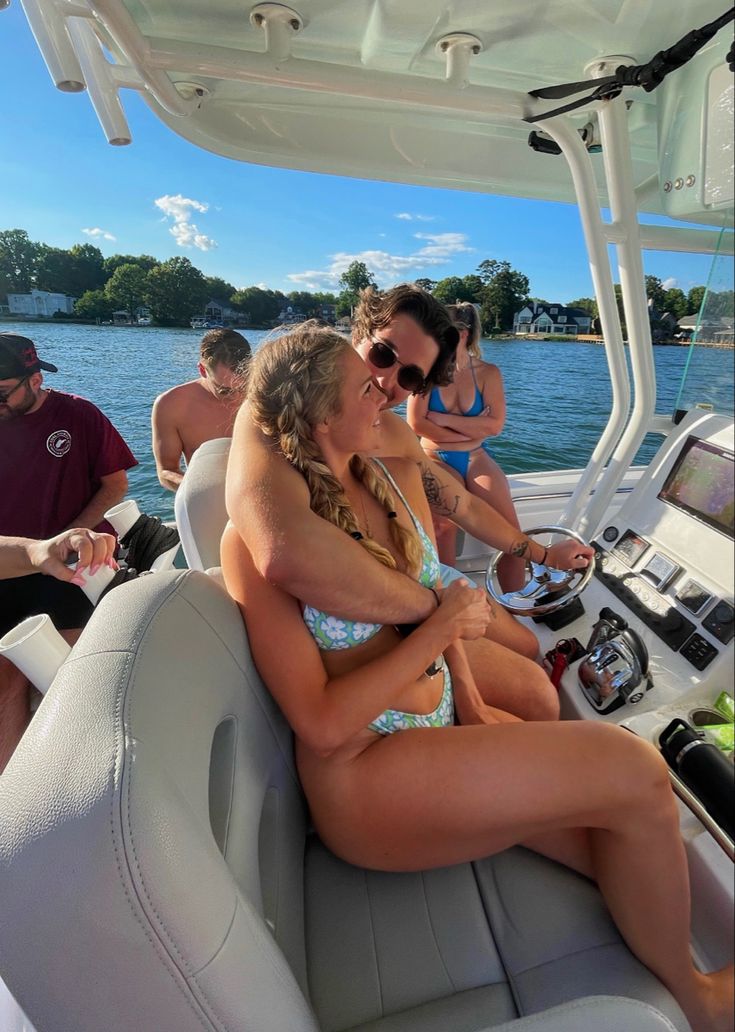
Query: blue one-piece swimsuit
333, 632
459, 460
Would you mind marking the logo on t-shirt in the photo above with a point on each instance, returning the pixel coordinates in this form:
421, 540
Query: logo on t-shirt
59, 443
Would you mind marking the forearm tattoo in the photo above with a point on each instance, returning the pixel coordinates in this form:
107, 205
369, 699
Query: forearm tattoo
440, 500
520, 548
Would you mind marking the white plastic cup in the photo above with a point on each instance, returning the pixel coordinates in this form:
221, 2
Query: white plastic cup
37, 649
95, 583
123, 516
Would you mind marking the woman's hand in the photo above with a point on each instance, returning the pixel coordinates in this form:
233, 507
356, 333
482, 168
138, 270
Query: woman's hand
464, 610
94, 550
569, 555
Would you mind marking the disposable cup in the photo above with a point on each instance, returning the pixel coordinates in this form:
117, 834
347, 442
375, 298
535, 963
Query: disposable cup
95, 583
36, 648
123, 516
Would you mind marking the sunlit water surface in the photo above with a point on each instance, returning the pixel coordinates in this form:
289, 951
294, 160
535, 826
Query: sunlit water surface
558, 393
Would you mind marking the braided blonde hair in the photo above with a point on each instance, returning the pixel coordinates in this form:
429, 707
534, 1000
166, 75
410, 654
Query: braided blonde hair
294, 385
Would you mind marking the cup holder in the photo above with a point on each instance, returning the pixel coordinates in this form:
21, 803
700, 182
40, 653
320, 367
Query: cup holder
704, 717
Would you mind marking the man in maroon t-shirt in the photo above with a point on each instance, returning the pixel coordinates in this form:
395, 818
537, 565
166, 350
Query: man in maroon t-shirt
62, 465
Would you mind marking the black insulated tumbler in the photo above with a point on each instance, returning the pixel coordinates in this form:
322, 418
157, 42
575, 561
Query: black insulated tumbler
706, 771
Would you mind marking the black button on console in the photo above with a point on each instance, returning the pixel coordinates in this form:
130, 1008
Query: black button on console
698, 651
721, 622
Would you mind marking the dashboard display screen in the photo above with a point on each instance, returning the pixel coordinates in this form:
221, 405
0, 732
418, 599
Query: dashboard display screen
701, 483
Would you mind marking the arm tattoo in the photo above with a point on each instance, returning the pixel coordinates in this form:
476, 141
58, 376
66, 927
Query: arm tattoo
520, 548
440, 504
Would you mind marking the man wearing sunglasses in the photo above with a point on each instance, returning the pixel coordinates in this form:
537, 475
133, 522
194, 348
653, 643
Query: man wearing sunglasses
408, 342
201, 410
62, 465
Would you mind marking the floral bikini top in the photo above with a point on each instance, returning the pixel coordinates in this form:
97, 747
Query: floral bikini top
333, 632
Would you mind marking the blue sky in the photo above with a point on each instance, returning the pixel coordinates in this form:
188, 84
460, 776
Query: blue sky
64, 184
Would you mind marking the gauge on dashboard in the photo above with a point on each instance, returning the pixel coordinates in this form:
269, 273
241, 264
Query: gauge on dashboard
610, 533
693, 597
630, 548
660, 571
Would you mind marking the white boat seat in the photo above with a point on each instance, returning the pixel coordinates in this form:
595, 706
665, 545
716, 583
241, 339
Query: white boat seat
199, 505
158, 871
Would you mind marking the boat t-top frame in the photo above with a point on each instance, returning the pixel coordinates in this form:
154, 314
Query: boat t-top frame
194, 86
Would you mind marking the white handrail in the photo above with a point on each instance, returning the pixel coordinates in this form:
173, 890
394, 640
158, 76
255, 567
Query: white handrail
580, 166
621, 192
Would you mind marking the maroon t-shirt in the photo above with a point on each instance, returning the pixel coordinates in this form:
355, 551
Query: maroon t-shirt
51, 464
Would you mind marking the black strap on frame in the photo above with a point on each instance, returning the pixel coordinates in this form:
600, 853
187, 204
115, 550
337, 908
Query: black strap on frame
648, 76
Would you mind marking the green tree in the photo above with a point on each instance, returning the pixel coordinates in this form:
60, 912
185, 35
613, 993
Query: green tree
94, 304
71, 272
450, 289
260, 306
87, 269
586, 304
502, 296
426, 284
304, 301
488, 269
175, 291
355, 278
52, 269
675, 302
694, 300
218, 289
656, 293
18, 256
145, 261
324, 297
127, 288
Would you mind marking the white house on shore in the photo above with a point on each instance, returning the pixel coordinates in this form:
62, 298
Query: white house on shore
536, 317
40, 304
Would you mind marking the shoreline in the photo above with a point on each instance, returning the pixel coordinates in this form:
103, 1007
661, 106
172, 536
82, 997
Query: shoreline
500, 337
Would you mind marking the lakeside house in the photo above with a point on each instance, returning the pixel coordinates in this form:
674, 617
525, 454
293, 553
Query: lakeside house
718, 330
291, 314
40, 304
537, 317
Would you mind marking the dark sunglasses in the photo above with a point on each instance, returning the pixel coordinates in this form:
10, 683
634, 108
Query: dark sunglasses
410, 377
8, 394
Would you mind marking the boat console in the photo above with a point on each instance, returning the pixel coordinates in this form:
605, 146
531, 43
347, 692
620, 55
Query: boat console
665, 566
664, 569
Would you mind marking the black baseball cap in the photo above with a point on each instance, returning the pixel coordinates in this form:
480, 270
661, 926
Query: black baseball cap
18, 357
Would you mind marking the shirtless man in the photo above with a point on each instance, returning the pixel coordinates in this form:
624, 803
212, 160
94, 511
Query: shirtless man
408, 342
201, 410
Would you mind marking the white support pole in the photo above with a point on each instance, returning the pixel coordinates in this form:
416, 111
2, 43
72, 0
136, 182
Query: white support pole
128, 38
49, 29
619, 174
580, 166
101, 83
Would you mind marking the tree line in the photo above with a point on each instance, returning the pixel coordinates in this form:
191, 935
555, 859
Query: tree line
174, 290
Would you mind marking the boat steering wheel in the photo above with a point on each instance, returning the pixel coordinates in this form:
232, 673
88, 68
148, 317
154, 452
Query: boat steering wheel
563, 585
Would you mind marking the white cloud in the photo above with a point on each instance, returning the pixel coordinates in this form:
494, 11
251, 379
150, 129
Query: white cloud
262, 286
408, 216
387, 268
672, 281
184, 231
99, 234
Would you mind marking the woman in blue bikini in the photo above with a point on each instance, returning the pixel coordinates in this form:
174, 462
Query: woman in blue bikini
392, 781
454, 421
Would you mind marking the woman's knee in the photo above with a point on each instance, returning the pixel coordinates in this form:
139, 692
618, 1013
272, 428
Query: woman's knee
543, 696
639, 770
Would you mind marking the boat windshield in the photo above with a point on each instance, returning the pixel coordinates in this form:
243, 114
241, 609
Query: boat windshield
707, 383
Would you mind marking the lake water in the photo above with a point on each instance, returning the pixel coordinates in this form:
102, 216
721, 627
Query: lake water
558, 393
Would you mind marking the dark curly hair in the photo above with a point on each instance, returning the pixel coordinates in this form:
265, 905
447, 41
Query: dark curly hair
379, 308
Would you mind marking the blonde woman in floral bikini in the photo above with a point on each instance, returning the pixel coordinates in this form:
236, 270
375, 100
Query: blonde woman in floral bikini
393, 783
